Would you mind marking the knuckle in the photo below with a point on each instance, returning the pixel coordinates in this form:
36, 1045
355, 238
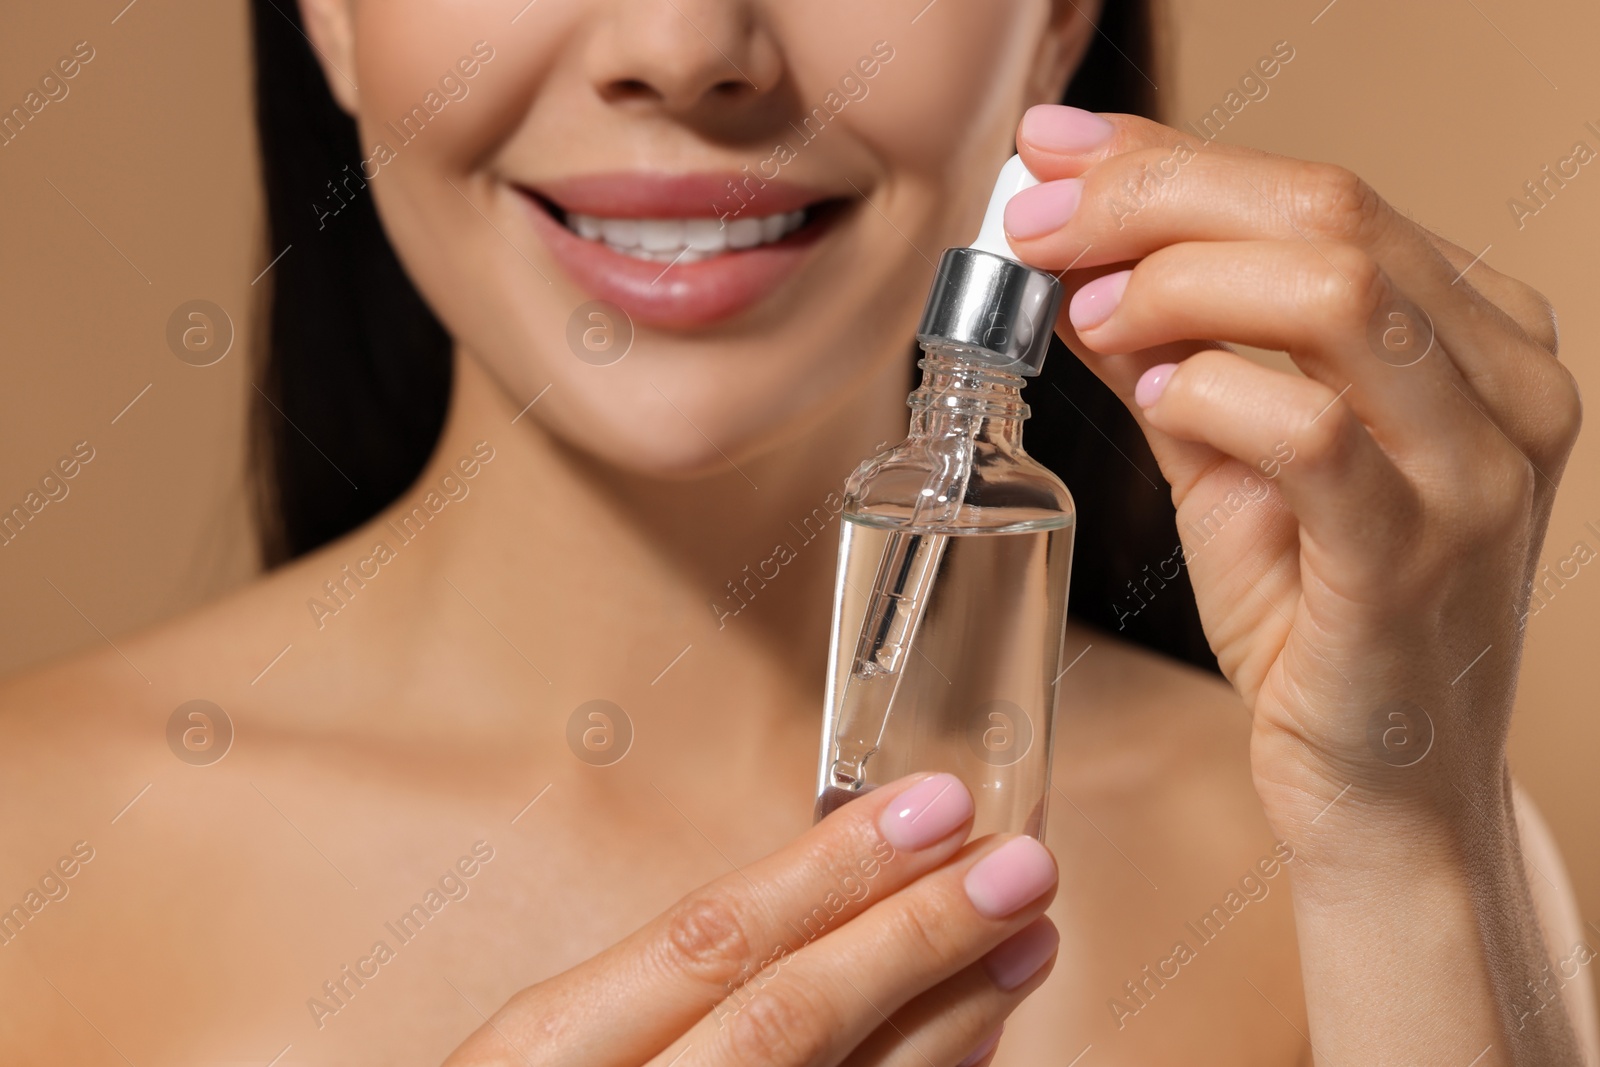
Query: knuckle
918, 926
1202, 375
1510, 491
1336, 202
707, 936
1566, 410
1558, 404
1324, 432
534, 1013
1553, 404
781, 1024
1495, 499
1134, 177
1536, 316
842, 855
1173, 261
1347, 285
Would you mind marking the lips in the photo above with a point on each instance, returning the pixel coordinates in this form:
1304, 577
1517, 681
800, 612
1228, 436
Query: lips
679, 251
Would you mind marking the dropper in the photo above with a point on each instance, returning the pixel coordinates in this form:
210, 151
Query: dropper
986, 303
985, 307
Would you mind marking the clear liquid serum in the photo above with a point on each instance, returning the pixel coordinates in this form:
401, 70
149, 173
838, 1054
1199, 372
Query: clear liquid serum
955, 554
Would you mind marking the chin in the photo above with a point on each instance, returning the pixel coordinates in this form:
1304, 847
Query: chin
665, 457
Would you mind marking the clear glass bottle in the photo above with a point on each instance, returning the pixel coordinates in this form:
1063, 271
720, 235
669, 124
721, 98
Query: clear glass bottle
955, 555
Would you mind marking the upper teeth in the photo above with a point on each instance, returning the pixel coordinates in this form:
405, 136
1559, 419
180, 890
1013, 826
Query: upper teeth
683, 240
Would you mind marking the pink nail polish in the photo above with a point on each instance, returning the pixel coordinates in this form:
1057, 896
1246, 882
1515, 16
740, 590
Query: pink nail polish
928, 812
1019, 957
1043, 209
1009, 877
1152, 383
1096, 300
985, 1047
1068, 130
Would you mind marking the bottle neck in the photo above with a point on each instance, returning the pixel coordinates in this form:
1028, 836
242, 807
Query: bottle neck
961, 396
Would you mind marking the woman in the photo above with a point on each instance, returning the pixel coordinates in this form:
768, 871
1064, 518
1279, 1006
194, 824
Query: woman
541, 503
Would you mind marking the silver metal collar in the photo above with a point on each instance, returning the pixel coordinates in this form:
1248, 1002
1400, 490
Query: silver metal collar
996, 309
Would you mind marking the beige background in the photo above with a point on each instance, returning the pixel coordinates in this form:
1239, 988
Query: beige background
136, 193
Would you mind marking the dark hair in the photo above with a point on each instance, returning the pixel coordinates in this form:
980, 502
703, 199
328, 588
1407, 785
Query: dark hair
355, 374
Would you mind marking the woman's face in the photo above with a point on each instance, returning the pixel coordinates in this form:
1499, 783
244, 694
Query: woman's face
762, 187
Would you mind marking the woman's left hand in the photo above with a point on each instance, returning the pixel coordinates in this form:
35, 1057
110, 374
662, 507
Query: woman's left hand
1361, 539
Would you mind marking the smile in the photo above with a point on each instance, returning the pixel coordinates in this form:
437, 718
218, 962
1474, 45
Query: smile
684, 240
680, 251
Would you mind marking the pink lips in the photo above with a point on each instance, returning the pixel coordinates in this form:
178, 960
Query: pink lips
679, 295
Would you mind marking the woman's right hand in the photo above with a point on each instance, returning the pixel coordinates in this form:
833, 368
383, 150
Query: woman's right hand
876, 937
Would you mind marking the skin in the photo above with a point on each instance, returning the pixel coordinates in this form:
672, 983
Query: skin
425, 714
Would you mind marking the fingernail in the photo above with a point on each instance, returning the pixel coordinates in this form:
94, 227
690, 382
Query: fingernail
1094, 302
983, 1049
1043, 208
929, 811
1057, 128
1019, 957
1009, 877
1152, 383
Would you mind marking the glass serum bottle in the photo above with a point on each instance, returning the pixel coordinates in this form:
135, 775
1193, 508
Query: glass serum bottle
955, 553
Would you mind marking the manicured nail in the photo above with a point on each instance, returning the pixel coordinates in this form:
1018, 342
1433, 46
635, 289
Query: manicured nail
1069, 130
1043, 209
1094, 302
1152, 383
986, 1047
1019, 957
1009, 877
929, 811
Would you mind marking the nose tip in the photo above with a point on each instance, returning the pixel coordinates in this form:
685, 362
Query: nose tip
676, 95
682, 54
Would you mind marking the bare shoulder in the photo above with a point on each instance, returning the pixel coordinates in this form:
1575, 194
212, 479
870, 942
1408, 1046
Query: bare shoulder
78, 733
136, 855
82, 741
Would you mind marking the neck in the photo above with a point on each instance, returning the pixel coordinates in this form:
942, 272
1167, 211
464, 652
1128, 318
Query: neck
598, 577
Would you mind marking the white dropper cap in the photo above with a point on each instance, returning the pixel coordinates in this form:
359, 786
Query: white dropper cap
985, 302
1014, 177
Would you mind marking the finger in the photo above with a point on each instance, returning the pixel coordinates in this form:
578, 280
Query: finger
1521, 386
1145, 186
956, 1021
1314, 305
1525, 307
1149, 186
823, 1001
1347, 494
667, 974
1060, 142
1057, 141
